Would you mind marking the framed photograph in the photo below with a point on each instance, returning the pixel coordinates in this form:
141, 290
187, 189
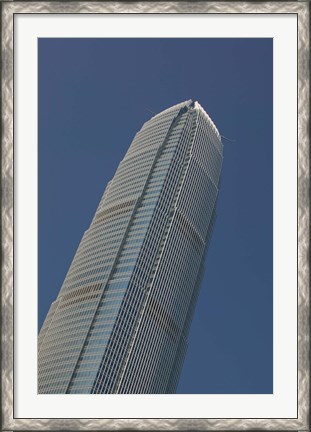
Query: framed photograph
155, 177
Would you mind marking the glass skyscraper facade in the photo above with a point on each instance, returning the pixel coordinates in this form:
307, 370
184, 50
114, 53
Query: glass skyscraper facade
120, 322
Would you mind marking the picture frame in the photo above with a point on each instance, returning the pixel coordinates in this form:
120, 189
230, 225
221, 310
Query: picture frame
9, 10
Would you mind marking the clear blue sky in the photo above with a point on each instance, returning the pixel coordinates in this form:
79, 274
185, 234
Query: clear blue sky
94, 95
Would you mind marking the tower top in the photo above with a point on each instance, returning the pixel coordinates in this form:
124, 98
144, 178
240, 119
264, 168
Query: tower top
202, 110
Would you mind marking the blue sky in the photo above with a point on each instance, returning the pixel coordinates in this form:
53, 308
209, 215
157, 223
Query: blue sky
94, 95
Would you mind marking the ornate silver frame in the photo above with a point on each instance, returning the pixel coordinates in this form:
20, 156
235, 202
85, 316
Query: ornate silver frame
9, 8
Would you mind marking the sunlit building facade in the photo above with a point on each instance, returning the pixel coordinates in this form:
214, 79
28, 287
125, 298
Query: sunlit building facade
120, 322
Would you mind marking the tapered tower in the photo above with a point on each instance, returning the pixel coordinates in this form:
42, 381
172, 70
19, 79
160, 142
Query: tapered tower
120, 322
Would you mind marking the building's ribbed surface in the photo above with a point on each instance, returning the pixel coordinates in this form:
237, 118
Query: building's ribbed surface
121, 319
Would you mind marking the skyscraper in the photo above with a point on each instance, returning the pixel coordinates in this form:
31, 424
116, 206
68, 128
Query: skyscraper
121, 319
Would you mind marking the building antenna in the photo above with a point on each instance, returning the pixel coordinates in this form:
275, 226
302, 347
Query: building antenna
228, 139
151, 111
